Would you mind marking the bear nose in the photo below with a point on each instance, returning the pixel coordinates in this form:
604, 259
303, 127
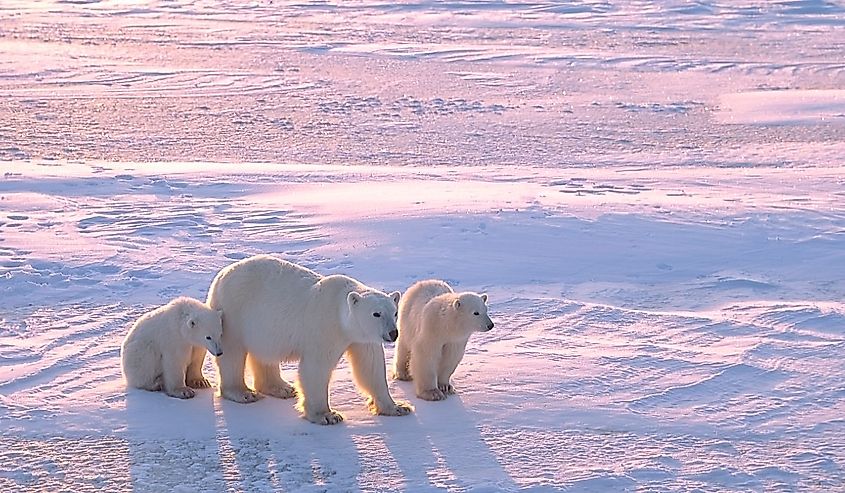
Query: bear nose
219, 353
490, 326
394, 334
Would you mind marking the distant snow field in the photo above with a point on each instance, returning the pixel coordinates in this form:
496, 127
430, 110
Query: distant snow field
651, 193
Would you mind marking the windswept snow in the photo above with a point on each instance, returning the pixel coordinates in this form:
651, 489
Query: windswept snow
650, 192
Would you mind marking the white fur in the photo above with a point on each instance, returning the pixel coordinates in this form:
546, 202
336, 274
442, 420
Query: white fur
278, 311
165, 348
435, 324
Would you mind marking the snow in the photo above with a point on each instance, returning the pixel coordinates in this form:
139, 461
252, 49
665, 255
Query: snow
650, 192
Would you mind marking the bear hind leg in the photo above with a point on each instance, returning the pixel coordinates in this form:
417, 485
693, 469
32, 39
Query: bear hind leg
141, 368
268, 380
402, 362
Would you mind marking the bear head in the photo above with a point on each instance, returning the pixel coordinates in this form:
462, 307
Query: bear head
372, 316
471, 310
204, 327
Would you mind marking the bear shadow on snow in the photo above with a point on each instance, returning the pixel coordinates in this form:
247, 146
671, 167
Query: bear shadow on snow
444, 435
269, 443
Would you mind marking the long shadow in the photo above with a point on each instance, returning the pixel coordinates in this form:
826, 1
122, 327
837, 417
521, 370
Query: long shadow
441, 447
268, 444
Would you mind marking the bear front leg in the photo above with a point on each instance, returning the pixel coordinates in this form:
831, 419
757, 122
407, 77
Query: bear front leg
452, 355
424, 364
368, 369
194, 377
174, 367
230, 368
268, 379
314, 376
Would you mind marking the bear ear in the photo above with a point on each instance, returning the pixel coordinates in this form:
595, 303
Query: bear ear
396, 295
190, 322
484, 297
353, 298
456, 303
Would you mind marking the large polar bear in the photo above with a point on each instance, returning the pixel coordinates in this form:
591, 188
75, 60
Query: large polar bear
278, 311
435, 324
165, 348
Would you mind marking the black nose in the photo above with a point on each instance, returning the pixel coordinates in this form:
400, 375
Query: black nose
394, 334
490, 326
219, 354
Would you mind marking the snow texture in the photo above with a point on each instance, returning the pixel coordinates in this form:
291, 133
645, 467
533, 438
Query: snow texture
652, 193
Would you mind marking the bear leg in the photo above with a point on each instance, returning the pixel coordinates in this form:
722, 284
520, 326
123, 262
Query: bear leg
173, 374
424, 365
368, 368
402, 361
141, 367
314, 376
268, 380
230, 366
194, 377
451, 356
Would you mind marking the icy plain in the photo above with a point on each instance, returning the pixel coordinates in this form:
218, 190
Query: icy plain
651, 192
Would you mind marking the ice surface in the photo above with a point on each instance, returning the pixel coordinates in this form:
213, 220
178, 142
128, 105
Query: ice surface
651, 193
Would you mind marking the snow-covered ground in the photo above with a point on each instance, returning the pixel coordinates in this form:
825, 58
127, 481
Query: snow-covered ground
652, 193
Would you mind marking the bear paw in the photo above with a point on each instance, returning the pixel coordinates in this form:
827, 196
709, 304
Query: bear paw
279, 391
404, 376
242, 396
431, 395
399, 409
325, 418
181, 393
198, 383
447, 389
393, 409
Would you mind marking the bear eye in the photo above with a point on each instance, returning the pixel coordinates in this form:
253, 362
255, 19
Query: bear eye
475, 313
208, 337
377, 314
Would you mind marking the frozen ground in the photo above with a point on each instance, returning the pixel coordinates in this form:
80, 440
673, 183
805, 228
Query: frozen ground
651, 192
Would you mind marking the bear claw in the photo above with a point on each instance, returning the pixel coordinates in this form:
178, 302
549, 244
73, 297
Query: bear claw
431, 395
181, 393
243, 397
327, 418
198, 383
447, 389
279, 392
397, 409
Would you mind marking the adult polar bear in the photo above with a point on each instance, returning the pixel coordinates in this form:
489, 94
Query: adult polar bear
275, 311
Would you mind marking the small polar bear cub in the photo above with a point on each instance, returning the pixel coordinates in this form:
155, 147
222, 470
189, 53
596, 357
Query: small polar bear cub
435, 324
165, 348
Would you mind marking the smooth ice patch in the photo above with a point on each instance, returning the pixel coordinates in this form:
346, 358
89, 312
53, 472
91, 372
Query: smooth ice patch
788, 107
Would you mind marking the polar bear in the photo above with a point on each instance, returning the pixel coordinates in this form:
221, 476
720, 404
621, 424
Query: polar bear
165, 348
278, 311
435, 324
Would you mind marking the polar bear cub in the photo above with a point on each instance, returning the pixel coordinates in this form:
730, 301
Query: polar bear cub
165, 348
435, 324
279, 311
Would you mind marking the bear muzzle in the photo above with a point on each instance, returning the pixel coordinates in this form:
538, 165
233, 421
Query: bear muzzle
391, 336
214, 348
